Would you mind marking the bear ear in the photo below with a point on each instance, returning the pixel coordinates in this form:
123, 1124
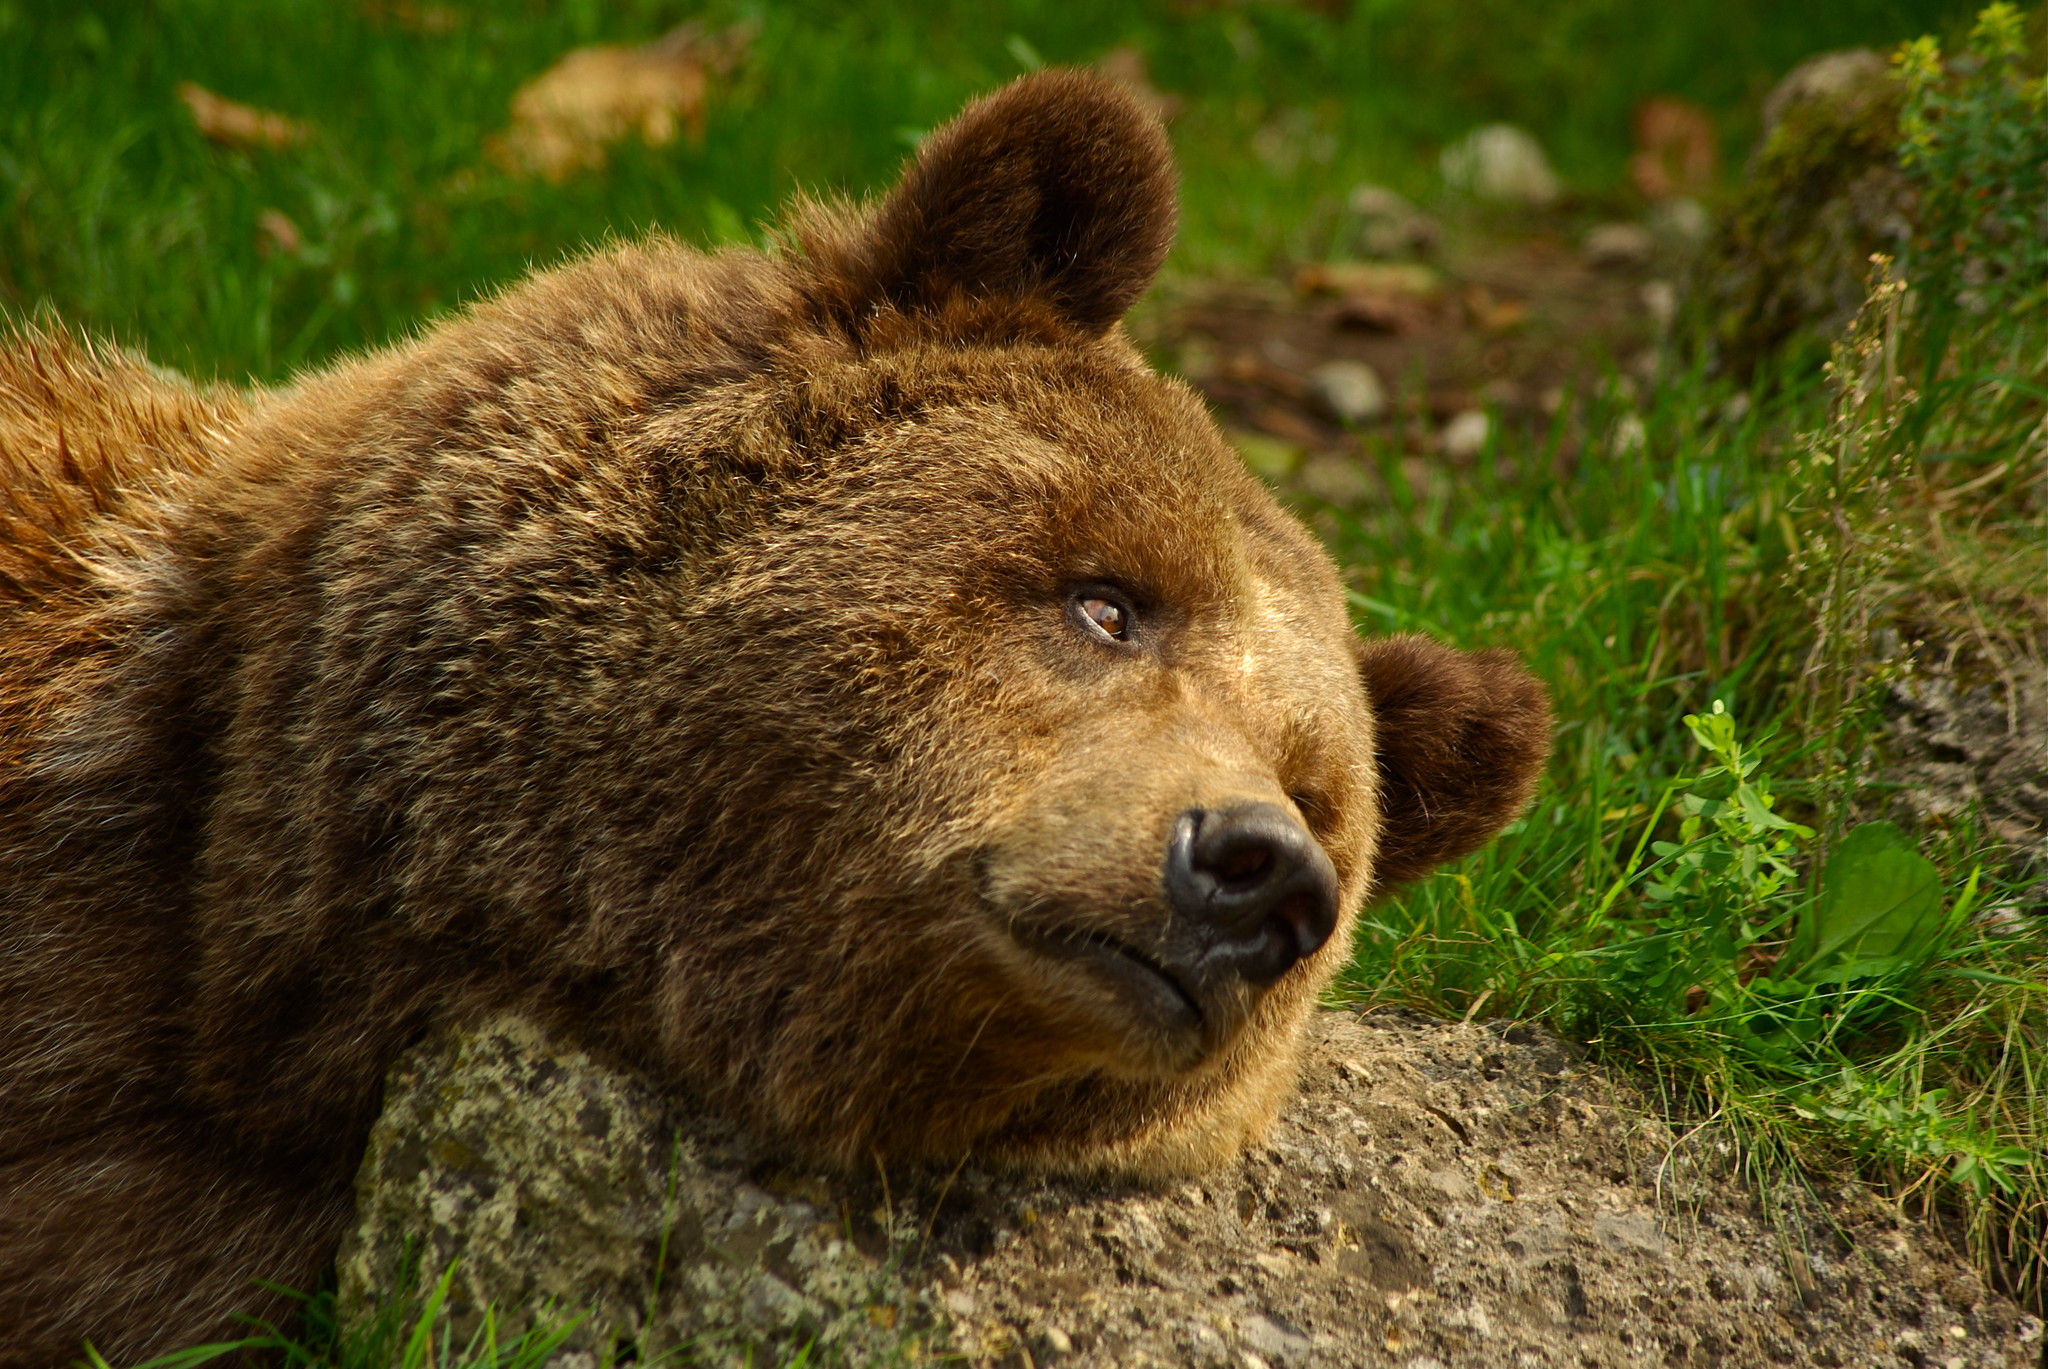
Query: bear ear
1056, 189
1462, 737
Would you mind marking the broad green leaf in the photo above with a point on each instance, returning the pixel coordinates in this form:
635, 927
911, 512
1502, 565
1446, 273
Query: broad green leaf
1880, 901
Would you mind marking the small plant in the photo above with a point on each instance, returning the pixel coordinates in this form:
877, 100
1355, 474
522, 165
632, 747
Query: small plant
1777, 967
1975, 144
400, 1336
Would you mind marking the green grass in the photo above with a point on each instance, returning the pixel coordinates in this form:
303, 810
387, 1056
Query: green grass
1645, 586
114, 208
1643, 581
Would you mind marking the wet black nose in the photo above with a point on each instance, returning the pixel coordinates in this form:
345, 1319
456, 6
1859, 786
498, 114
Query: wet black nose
1253, 885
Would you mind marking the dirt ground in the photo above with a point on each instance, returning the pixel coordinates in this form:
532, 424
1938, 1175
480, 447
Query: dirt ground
1440, 1196
1501, 320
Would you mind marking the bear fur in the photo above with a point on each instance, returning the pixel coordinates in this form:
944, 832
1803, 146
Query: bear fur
680, 648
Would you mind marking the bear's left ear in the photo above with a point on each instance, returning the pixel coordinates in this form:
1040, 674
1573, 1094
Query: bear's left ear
1056, 189
1462, 737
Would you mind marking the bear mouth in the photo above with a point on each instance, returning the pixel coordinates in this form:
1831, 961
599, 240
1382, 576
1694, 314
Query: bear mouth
1132, 972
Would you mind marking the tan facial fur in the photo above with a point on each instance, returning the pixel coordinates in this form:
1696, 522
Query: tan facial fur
693, 651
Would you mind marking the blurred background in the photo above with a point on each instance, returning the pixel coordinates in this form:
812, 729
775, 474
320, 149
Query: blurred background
394, 178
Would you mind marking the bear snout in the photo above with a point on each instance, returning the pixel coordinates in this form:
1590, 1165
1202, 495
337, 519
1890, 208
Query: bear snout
1250, 893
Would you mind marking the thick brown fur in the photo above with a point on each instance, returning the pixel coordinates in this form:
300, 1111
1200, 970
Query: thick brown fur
681, 648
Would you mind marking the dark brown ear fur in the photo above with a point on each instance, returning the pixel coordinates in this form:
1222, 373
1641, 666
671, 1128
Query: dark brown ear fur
1462, 737
1056, 190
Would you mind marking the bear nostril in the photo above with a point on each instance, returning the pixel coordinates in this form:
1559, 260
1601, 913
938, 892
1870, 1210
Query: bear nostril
1252, 890
1246, 865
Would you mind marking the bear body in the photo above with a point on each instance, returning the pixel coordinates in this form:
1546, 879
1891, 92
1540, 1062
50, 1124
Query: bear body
845, 684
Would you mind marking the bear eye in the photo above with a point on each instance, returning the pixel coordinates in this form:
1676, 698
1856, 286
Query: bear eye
1109, 617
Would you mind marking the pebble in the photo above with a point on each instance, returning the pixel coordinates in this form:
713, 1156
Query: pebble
1501, 162
1351, 391
1273, 1339
1465, 435
1682, 220
1388, 225
1619, 244
1660, 301
1334, 480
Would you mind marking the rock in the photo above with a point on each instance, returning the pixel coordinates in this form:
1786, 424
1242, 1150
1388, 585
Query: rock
1350, 391
1618, 245
1829, 78
1464, 437
1334, 479
550, 1182
1457, 1195
1822, 191
1660, 302
1954, 741
1501, 162
1681, 223
1388, 225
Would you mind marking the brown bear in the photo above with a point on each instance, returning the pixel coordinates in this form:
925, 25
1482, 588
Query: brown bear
843, 682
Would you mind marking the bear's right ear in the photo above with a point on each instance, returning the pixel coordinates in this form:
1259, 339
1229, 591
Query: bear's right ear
1057, 189
1461, 738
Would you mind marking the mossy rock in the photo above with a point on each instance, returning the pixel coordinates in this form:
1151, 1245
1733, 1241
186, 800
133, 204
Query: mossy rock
1788, 266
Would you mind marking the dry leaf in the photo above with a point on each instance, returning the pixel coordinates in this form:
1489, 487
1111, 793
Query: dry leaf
276, 233
237, 125
1388, 297
566, 119
1493, 314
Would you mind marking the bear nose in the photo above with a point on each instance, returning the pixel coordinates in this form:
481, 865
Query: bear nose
1253, 885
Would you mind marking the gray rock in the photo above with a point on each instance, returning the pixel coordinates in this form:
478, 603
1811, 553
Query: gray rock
1388, 225
1334, 479
1350, 391
553, 1185
1501, 162
1955, 742
1618, 245
1448, 1195
1464, 436
1826, 78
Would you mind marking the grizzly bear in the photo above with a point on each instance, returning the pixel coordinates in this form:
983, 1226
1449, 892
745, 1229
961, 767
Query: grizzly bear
843, 682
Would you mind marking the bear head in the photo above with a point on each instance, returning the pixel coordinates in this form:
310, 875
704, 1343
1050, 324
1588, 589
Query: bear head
846, 680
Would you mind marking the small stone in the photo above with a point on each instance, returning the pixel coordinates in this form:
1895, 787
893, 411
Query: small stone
960, 1303
1660, 301
1631, 1231
1618, 245
1351, 391
1388, 225
1501, 162
1682, 220
1273, 1338
1465, 436
1334, 480
1057, 1341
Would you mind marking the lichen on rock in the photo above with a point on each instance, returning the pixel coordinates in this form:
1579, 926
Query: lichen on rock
556, 1187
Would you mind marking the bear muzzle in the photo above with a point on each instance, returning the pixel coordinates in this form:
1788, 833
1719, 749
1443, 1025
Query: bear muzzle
1247, 894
